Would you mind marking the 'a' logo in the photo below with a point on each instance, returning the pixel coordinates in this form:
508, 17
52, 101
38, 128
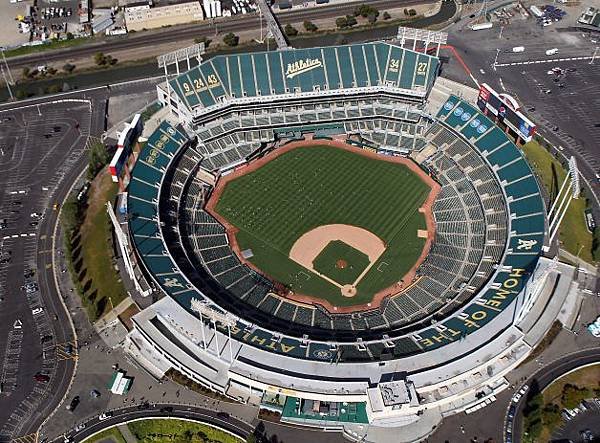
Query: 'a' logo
172, 283
526, 244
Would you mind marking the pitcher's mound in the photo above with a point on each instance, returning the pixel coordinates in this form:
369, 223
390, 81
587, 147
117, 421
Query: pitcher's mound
341, 264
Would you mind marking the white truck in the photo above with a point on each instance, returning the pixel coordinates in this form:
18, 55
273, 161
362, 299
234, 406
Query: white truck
481, 26
552, 51
536, 11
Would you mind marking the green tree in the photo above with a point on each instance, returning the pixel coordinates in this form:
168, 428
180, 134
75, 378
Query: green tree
251, 438
98, 158
573, 395
70, 216
341, 22
310, 26
100, 58
290, 31
26, 72
412, 12
372, 18
551, 416
20, 94
386, 15
204, 40
53, 89
350, 21
231, 39
596, 244
68, 68
365, 10
70, 36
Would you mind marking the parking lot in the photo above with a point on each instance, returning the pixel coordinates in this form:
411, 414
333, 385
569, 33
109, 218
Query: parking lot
38, 147
582, 426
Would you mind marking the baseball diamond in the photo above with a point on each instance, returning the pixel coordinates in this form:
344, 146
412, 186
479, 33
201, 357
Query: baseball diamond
341, 262
305, 188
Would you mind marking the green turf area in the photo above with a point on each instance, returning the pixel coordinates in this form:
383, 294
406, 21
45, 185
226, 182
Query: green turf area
314, 186
112, 435
574, 234
355, 262
170, 430
101, 284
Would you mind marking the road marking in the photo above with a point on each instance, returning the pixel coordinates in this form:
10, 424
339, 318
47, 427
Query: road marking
553, 60
18, 324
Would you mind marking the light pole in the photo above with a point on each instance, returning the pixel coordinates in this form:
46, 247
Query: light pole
594, 55
12, 97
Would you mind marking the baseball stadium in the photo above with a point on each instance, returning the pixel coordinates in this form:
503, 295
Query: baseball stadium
335, 235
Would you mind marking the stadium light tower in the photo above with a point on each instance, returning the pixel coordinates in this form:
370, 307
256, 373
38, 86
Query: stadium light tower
123, 242
569, 190
214, 317
428, 37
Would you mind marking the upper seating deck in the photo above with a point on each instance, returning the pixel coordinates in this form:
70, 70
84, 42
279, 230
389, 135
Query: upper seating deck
263, 74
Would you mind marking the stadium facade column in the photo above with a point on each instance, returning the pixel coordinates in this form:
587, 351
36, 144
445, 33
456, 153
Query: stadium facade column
216, 338
203, 332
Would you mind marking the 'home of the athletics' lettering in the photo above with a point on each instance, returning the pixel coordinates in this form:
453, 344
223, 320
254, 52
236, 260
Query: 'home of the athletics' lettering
474, 320
263, 342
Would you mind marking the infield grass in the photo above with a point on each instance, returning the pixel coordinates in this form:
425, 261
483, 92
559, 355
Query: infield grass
354, 262
320, 185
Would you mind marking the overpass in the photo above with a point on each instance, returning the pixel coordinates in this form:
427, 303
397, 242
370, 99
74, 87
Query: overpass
273, 24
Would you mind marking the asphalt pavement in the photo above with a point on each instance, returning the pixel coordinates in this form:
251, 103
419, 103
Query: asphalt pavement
42, 151
159, 410
40, 147
545, 376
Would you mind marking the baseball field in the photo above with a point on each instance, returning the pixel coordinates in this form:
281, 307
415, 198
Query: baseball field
363, 213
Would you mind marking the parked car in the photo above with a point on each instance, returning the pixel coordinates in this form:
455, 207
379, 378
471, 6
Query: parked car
74, 402
41, 377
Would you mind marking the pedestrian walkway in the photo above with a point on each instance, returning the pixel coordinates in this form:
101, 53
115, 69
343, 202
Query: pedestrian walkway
127, 434
589, 268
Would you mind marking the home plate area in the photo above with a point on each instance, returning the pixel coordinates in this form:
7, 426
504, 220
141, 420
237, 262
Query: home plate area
340, 254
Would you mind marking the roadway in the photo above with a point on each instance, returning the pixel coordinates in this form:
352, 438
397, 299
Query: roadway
42, 152
95, 425
41, 148
544, 377
188, 32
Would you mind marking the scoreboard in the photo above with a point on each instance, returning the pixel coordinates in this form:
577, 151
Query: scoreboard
491, 101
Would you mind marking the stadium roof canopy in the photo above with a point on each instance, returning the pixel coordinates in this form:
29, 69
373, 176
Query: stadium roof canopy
333, 68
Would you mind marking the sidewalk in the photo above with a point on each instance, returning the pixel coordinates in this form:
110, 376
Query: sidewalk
589, 268
127, 434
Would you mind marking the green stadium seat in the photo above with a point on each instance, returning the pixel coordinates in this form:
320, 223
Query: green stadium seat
235, 81
409, 66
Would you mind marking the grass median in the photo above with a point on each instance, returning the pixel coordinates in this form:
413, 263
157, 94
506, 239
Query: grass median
112, 435
157, 430
574, 235
91, 258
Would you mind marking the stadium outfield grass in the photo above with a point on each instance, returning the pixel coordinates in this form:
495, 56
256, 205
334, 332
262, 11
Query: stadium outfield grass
320, 185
